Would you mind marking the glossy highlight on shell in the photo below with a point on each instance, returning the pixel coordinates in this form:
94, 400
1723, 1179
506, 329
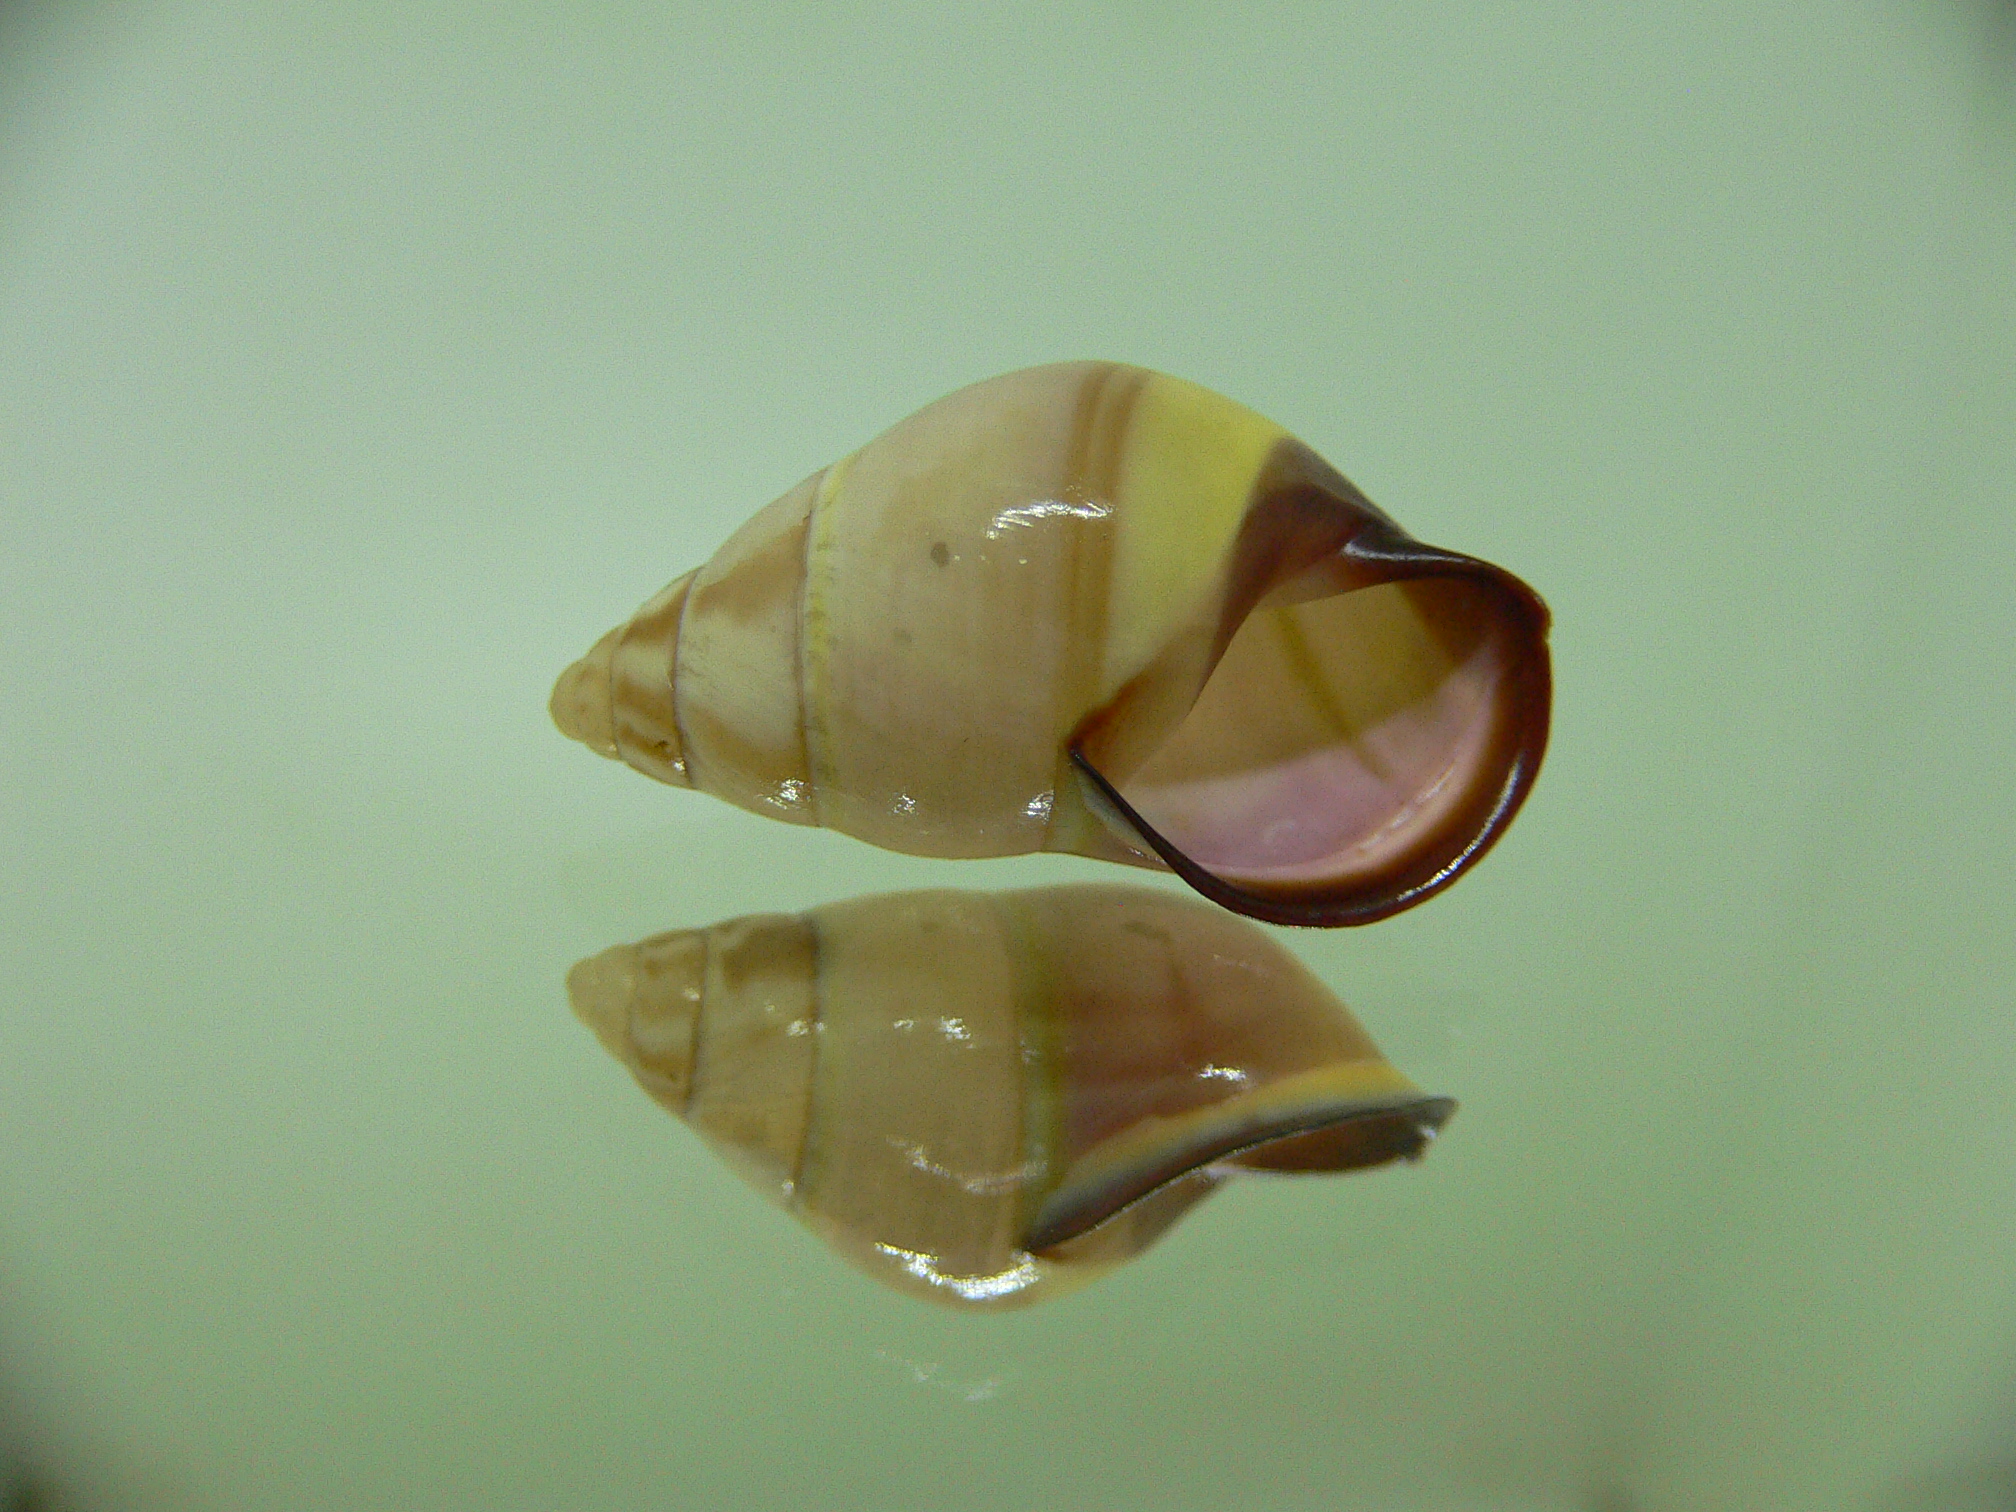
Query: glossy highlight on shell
987, 1098
1094, 609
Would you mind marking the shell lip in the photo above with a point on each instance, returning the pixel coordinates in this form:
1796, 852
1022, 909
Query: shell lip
1395, 1129
1365, 899
1378, 551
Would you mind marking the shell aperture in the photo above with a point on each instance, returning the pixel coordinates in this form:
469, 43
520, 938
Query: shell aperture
988, 1098
1094, 609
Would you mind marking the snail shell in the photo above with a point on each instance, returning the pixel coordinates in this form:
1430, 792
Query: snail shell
983, 1098
1094, 609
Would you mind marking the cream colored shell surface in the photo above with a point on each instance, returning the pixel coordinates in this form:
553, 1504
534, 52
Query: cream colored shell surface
970, 636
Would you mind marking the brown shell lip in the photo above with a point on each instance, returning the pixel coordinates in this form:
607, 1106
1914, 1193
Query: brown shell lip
1383, 553
1394, 1131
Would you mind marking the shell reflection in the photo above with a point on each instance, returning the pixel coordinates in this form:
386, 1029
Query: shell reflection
1094, 609
984, 1098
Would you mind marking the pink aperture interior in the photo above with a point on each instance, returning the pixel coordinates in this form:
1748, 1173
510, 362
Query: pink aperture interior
1336, 736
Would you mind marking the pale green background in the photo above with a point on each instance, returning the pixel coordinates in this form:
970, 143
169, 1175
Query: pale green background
358, 366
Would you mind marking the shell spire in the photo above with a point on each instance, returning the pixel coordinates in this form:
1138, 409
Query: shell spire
1093, 609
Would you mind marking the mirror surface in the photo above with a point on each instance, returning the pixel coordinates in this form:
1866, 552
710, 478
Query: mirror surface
360, 364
